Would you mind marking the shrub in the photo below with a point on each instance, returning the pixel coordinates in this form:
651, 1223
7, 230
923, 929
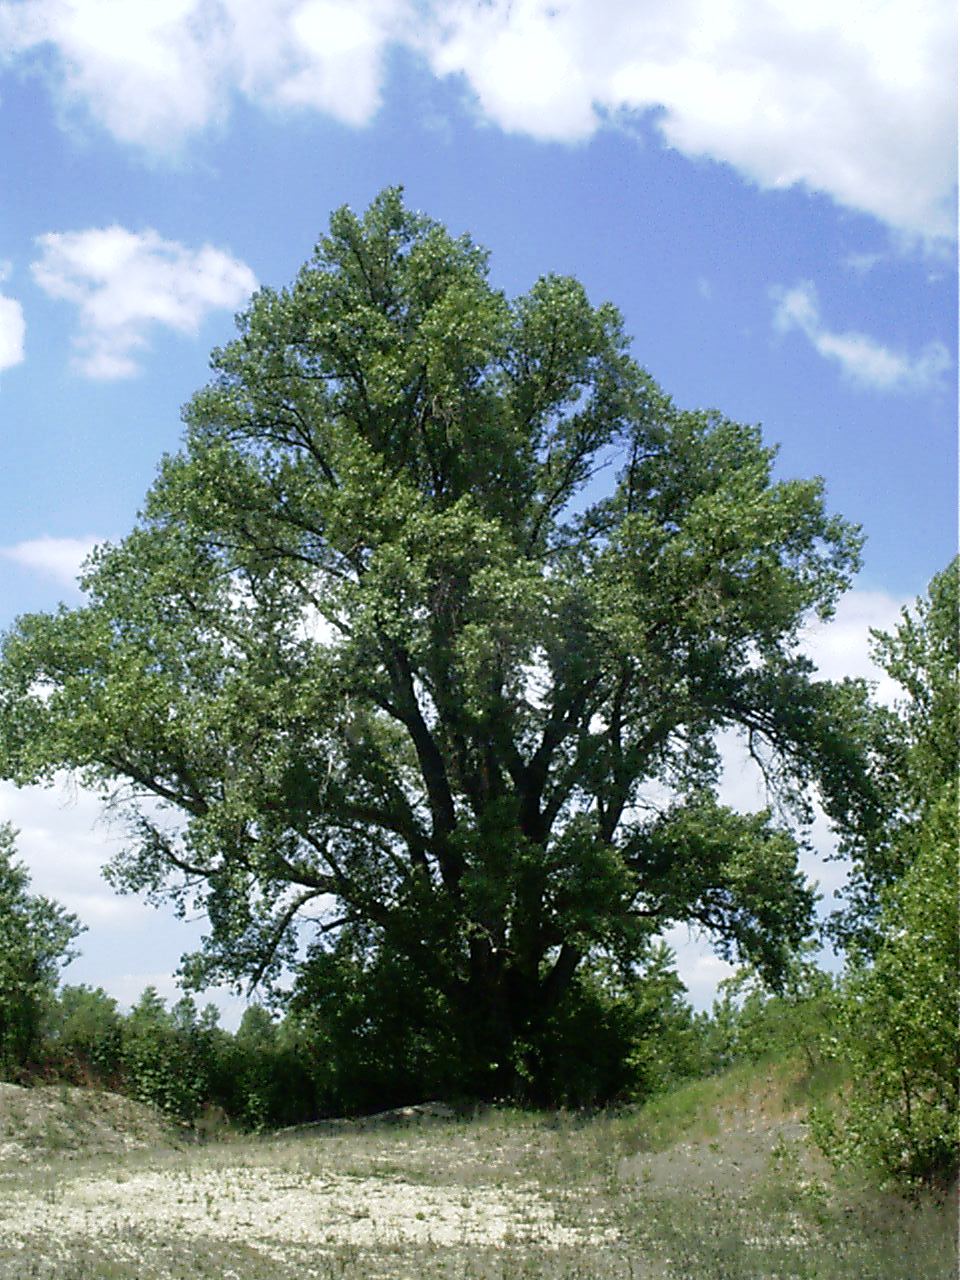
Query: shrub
899, 1026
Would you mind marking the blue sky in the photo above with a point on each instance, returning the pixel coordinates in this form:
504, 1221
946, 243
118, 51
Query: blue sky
767, 191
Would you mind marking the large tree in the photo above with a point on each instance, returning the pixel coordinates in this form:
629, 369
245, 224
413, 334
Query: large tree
440, 596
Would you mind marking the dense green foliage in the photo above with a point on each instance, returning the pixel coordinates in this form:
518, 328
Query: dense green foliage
35, 941
750, 1024
900, 1016
441, 589
84, 1035
624, 1034
899, 1029
182, 1062
272, 1072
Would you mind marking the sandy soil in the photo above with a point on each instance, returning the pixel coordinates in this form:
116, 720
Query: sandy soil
60, 1120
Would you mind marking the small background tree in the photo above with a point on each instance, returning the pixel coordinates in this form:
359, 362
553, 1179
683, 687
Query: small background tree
85, 1036
36, 937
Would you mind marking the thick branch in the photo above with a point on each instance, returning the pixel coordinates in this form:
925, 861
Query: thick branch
560, 976
432, 766
562, 722
277, 937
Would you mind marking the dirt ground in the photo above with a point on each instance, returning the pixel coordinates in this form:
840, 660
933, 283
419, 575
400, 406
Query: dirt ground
95, 1187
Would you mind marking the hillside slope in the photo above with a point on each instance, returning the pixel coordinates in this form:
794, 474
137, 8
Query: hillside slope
50, 1121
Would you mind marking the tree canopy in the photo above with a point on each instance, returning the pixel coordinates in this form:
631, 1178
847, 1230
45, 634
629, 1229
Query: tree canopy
412, 668
913, 754
898, 1025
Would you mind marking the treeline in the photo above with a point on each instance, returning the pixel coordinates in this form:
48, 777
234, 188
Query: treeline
180, 1060
643, 1036
275, 1071
884, 1032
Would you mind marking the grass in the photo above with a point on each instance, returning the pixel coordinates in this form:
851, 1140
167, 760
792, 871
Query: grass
750, 1093
712, 1182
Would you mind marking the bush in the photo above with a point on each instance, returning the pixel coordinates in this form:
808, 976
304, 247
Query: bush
749, 1022
161, 1062
621, 1035
376, 1035
899, 1027
270, 1079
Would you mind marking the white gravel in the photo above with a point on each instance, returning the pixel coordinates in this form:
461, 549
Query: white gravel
266, 1207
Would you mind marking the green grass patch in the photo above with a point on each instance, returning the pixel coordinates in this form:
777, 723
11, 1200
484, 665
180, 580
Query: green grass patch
767, 1091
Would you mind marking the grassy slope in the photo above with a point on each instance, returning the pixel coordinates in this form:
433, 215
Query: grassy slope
712, 1182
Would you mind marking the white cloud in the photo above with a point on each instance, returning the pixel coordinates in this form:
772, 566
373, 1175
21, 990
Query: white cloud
700, 969
853, 100
58, 558
12, 329
862, 358
332, 57
64, 840
154, 72
863, 263
528, 70
148, 72
125, 283
842, 646
64, 843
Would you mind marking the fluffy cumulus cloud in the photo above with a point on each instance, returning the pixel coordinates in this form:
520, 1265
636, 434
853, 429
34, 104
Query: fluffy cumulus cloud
126, 283
153, 72
322, 54
141, 69
864, 360
852, 100
57, 558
